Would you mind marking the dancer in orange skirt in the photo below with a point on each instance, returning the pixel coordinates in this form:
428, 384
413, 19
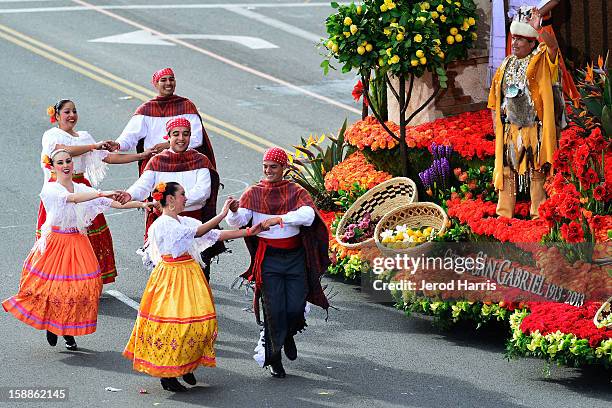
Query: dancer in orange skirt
90, 159
176, 327
60, 280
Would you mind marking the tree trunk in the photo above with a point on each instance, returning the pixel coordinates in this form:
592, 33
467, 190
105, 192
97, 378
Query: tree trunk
402, 124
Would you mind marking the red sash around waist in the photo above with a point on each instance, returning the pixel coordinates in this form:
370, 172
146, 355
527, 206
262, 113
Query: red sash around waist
58, 230
181, 258
281, 243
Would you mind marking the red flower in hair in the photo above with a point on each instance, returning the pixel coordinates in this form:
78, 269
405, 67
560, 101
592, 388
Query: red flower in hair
157, 196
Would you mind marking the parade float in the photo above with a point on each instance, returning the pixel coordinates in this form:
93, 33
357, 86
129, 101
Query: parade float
385, 188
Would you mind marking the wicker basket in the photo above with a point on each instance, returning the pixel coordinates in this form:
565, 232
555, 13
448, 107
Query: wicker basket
417, 215
378, 201
599, 316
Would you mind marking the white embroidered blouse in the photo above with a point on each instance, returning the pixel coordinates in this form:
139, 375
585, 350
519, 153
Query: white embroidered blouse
90, 163
168, 236
67, 215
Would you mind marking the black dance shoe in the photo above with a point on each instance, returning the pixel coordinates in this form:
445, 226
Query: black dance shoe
190, 379
277, 370
70, 343
51, 338
172, 384
290, 348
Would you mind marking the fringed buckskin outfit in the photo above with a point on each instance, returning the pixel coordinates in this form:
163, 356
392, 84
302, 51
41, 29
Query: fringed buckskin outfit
525, 127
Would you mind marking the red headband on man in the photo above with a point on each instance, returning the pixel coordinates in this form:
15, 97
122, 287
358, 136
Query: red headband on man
177, 122
276, 154
161, 73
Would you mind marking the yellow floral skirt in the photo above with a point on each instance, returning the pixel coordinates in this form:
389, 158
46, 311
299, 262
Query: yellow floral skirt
176, 327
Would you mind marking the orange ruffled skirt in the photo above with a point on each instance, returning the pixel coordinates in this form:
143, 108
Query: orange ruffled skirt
176, 327
99, 235
59, 289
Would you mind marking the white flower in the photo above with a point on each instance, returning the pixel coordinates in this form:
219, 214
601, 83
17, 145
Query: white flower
401, 228
386, 234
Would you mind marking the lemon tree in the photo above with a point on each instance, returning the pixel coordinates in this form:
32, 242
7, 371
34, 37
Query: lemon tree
401, 38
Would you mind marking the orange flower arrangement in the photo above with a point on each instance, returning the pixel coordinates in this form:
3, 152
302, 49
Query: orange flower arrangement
470, 134
354, 169
369, 133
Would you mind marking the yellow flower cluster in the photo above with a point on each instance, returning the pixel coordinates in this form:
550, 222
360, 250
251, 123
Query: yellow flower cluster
387, 5
404, 237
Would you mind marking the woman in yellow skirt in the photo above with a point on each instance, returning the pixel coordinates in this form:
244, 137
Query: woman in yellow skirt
176, 327
60, 280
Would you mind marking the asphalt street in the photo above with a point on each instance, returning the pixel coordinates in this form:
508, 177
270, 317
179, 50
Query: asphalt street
254, 93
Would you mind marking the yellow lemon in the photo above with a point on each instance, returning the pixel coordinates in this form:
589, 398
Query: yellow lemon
384, 8
329, 44
399, 37
394, 59
389, 51
381, 62
441, 54
346, 34
454, 30
422, 19
420, 54
414, 63
474, 36
465, 26
360, 50
347, 21
450, 39
440, 8
425, 6
387, 32
359, 9
423, 61
443, 18
471, 21
369, 47
434, 14
354, 29
458, 38
457, 4
335, 48
418, 38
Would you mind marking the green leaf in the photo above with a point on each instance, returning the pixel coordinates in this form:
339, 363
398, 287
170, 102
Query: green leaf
440, 71
334, 5
325, 66
346, 68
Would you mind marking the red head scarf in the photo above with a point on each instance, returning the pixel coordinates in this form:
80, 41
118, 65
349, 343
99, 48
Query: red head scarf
161, 73
276, 154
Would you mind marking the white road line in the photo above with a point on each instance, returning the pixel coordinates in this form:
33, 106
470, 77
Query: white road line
275, 23
221, 58
123, 298
159, 7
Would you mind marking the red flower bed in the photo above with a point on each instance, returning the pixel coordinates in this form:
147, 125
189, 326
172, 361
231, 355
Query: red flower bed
549, 317
480, 217
470, 134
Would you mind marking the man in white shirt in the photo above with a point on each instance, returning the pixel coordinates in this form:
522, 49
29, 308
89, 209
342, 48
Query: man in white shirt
146, 129
287, 261
190, 169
